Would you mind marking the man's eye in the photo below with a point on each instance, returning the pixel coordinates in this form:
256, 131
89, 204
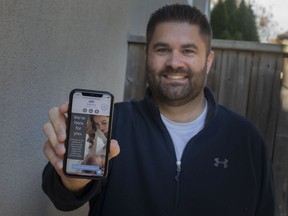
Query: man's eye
188, 52
162, 50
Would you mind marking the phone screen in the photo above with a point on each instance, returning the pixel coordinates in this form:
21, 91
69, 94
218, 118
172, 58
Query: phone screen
88, 132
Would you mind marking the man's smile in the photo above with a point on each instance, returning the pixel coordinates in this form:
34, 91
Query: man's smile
175, 76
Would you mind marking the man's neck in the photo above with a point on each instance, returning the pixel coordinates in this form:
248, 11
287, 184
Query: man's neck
184, 113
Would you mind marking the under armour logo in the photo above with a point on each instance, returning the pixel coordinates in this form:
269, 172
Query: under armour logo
218, 162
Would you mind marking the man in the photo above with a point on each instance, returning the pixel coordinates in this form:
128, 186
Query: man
181, 152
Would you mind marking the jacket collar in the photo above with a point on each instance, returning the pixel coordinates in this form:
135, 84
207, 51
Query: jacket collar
212, 104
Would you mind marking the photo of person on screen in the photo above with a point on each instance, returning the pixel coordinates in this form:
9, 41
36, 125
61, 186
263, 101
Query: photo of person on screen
101, 123
97, 129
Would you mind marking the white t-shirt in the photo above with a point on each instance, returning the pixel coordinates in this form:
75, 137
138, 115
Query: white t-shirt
181, 133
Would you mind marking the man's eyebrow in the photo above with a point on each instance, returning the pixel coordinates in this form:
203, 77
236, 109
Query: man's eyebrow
160, 44
191, 45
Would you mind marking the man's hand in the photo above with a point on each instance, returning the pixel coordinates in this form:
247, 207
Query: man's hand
54, 148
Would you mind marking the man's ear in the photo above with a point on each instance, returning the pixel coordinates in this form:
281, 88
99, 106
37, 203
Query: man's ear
210, 60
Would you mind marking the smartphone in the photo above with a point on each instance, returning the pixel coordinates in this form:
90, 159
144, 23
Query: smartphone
88, 134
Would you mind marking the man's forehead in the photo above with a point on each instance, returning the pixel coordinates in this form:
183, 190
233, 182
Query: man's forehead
175, 31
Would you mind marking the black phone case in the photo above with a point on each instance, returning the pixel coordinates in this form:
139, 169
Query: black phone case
87, 93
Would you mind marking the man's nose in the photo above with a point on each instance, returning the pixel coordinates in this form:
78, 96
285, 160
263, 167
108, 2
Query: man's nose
175, 60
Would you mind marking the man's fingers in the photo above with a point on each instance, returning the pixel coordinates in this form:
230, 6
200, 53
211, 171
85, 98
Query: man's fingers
63, 108
50, 133
58, 120
114, 149
55, 159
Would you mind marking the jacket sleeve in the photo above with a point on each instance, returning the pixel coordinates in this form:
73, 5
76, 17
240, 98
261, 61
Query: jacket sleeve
62, 198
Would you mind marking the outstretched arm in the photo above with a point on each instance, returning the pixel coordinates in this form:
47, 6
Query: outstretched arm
54, 150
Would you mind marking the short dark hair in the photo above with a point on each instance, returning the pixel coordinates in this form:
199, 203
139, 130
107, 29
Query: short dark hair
180, 13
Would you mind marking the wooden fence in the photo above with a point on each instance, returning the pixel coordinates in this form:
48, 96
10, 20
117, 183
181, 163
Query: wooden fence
249, 78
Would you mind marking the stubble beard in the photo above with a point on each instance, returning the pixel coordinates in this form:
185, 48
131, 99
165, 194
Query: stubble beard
176, 94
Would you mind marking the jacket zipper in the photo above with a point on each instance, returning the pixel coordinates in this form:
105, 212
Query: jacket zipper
178, 165
177, 178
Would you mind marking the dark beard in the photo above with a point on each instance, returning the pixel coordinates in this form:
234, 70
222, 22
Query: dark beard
176, 94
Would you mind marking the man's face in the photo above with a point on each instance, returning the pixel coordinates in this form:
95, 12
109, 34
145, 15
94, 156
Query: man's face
177, 63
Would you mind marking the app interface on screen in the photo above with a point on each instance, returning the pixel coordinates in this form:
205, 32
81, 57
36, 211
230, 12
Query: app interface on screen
88, 133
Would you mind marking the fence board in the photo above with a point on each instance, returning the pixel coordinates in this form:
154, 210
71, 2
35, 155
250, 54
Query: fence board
135, 82
264, 94
235, 78
280, 159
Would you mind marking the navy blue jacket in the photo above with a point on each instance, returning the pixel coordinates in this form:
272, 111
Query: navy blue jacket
225, 169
